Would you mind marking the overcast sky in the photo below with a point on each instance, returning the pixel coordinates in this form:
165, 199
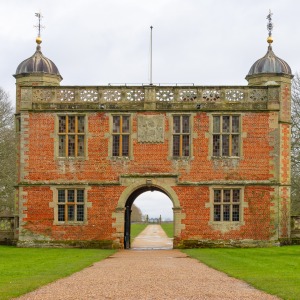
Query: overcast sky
96, 42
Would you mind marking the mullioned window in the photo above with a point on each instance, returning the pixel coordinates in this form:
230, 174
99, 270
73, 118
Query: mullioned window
71, 136
226, 136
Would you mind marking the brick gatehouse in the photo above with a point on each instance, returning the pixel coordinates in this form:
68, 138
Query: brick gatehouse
220, 153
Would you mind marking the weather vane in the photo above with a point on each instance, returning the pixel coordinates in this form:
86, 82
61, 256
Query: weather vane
270, 24
39, 26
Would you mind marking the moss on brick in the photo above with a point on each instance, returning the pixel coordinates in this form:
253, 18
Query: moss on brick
191, 244
105, 244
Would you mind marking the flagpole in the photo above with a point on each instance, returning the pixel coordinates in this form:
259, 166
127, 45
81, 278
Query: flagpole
151, 27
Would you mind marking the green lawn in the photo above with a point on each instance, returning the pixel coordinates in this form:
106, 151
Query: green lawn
136, 229
168, 229
25, 269
274, 270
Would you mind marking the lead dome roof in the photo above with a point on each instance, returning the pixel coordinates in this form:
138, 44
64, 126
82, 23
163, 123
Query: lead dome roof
37, 63
270, 63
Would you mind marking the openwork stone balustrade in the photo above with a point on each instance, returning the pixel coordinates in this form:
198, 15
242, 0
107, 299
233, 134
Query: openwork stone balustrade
135, 96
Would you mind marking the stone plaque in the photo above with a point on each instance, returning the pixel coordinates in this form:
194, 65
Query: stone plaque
26, 96
151, 129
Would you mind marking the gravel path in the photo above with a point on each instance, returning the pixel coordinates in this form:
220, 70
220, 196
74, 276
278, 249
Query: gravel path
152, 237
148, 274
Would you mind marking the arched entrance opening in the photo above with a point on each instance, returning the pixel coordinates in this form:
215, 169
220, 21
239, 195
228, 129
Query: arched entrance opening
155, 207
135, 186
158, 198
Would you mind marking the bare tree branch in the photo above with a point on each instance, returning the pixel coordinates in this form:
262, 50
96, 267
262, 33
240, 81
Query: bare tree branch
295, 146
7, 154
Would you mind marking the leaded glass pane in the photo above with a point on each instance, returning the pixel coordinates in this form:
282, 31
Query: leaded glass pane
61, 196
61, 213
62, 124
235, 145
235, 124
217, 212
62, 145
225, 124
226, 212
217, 195
216, 145
80, 195
125, 145
71, 212
80, 145
80, 212
226, 195
125, 124
235, 212
176, 145
71, 195
71, 124
116, 124
185, 145
176, 124
236, 196
216, 124
185, 124
116, 145
80, 124
71, 145
225, 145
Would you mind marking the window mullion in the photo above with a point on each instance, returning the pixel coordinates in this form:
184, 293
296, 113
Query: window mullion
221, 136
221, 212
66, 206
121, 136
75, 205
231, 205
180, 135
222, 204
180, 145
230, 135
67, 136
76, 136
230, 144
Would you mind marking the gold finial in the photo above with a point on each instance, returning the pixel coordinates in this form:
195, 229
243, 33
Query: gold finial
270, 40
38, 40
39, 27
270, 27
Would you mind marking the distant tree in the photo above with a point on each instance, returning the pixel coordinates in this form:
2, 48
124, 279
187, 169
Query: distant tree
7, 154
136, 214
295, 147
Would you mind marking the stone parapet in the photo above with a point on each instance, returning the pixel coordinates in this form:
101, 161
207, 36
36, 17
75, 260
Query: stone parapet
150, 97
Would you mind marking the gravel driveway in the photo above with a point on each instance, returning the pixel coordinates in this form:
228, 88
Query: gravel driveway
148, 274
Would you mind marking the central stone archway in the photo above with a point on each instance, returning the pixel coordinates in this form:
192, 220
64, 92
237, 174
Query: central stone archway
135, 187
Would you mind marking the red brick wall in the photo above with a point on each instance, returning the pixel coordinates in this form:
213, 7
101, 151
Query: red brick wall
151, 158
255, 165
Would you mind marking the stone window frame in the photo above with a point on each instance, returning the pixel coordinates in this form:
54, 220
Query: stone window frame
18, 123
191, 134
226, 225
131, 137
54, 204
56, 137
211, 134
